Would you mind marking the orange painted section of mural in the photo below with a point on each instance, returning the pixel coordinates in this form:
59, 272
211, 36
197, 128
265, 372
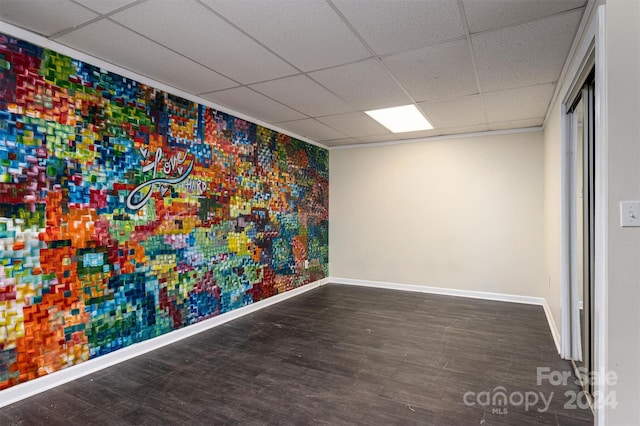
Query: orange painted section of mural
127, 212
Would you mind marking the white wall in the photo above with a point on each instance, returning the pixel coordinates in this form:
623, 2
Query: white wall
463, 213
623, 183
621, 142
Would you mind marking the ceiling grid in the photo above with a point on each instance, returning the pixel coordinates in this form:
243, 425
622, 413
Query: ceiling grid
313, 67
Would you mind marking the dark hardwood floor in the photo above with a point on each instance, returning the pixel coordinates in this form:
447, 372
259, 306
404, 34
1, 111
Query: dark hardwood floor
335, 355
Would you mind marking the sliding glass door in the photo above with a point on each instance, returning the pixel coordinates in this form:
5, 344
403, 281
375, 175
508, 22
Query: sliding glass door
583, 233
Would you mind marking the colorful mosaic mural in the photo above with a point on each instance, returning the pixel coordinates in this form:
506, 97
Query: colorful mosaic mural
127, 212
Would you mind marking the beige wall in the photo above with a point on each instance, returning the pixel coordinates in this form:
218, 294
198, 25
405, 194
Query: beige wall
462, 213
553, 215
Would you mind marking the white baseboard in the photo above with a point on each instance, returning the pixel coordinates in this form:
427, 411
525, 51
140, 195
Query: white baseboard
502, 297
50, 381
552, 326
514, 298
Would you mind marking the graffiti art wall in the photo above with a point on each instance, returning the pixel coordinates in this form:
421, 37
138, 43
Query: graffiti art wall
127, 212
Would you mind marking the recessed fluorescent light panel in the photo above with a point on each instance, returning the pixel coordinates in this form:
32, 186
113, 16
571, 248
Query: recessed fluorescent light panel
400, 119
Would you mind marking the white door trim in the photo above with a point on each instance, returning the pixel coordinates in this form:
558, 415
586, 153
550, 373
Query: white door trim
592, 40
601, 237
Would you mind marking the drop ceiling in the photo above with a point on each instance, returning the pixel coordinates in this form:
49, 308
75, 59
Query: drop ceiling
312, 67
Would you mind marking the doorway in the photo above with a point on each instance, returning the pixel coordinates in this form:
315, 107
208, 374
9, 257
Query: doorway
583, 219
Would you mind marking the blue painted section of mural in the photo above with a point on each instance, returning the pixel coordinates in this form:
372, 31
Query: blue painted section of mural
127, 212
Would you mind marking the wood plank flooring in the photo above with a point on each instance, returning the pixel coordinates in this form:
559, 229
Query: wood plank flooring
335, 355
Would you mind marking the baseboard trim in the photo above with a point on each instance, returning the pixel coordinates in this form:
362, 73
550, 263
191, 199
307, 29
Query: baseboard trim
502, 297
60, 377
552, 326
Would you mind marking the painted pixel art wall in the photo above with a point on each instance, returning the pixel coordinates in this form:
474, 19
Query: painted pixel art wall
127, 212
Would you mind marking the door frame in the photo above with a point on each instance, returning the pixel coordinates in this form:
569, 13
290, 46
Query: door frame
591, 45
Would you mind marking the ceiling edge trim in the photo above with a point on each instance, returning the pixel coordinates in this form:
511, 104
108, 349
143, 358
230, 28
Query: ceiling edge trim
439, 138
44, 42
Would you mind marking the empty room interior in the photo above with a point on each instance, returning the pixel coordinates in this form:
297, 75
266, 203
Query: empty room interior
320, 212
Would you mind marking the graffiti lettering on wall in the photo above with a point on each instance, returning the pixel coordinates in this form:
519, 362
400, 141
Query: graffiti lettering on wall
170, 166
127, 212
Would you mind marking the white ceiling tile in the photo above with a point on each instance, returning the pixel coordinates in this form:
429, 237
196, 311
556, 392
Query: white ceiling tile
193, 30
483, 15
44, 17
253, 104
455, 112
517, 124
312, 129
436, 72
518, 104
104, 6
365, 85
307, 33
395, 26
524, 55
190, 77
354, 124
303, 94
138, 54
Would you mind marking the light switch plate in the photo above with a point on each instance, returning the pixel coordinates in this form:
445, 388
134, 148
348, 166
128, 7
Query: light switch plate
630, 213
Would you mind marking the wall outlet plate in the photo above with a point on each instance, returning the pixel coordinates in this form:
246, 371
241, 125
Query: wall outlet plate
630, 214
